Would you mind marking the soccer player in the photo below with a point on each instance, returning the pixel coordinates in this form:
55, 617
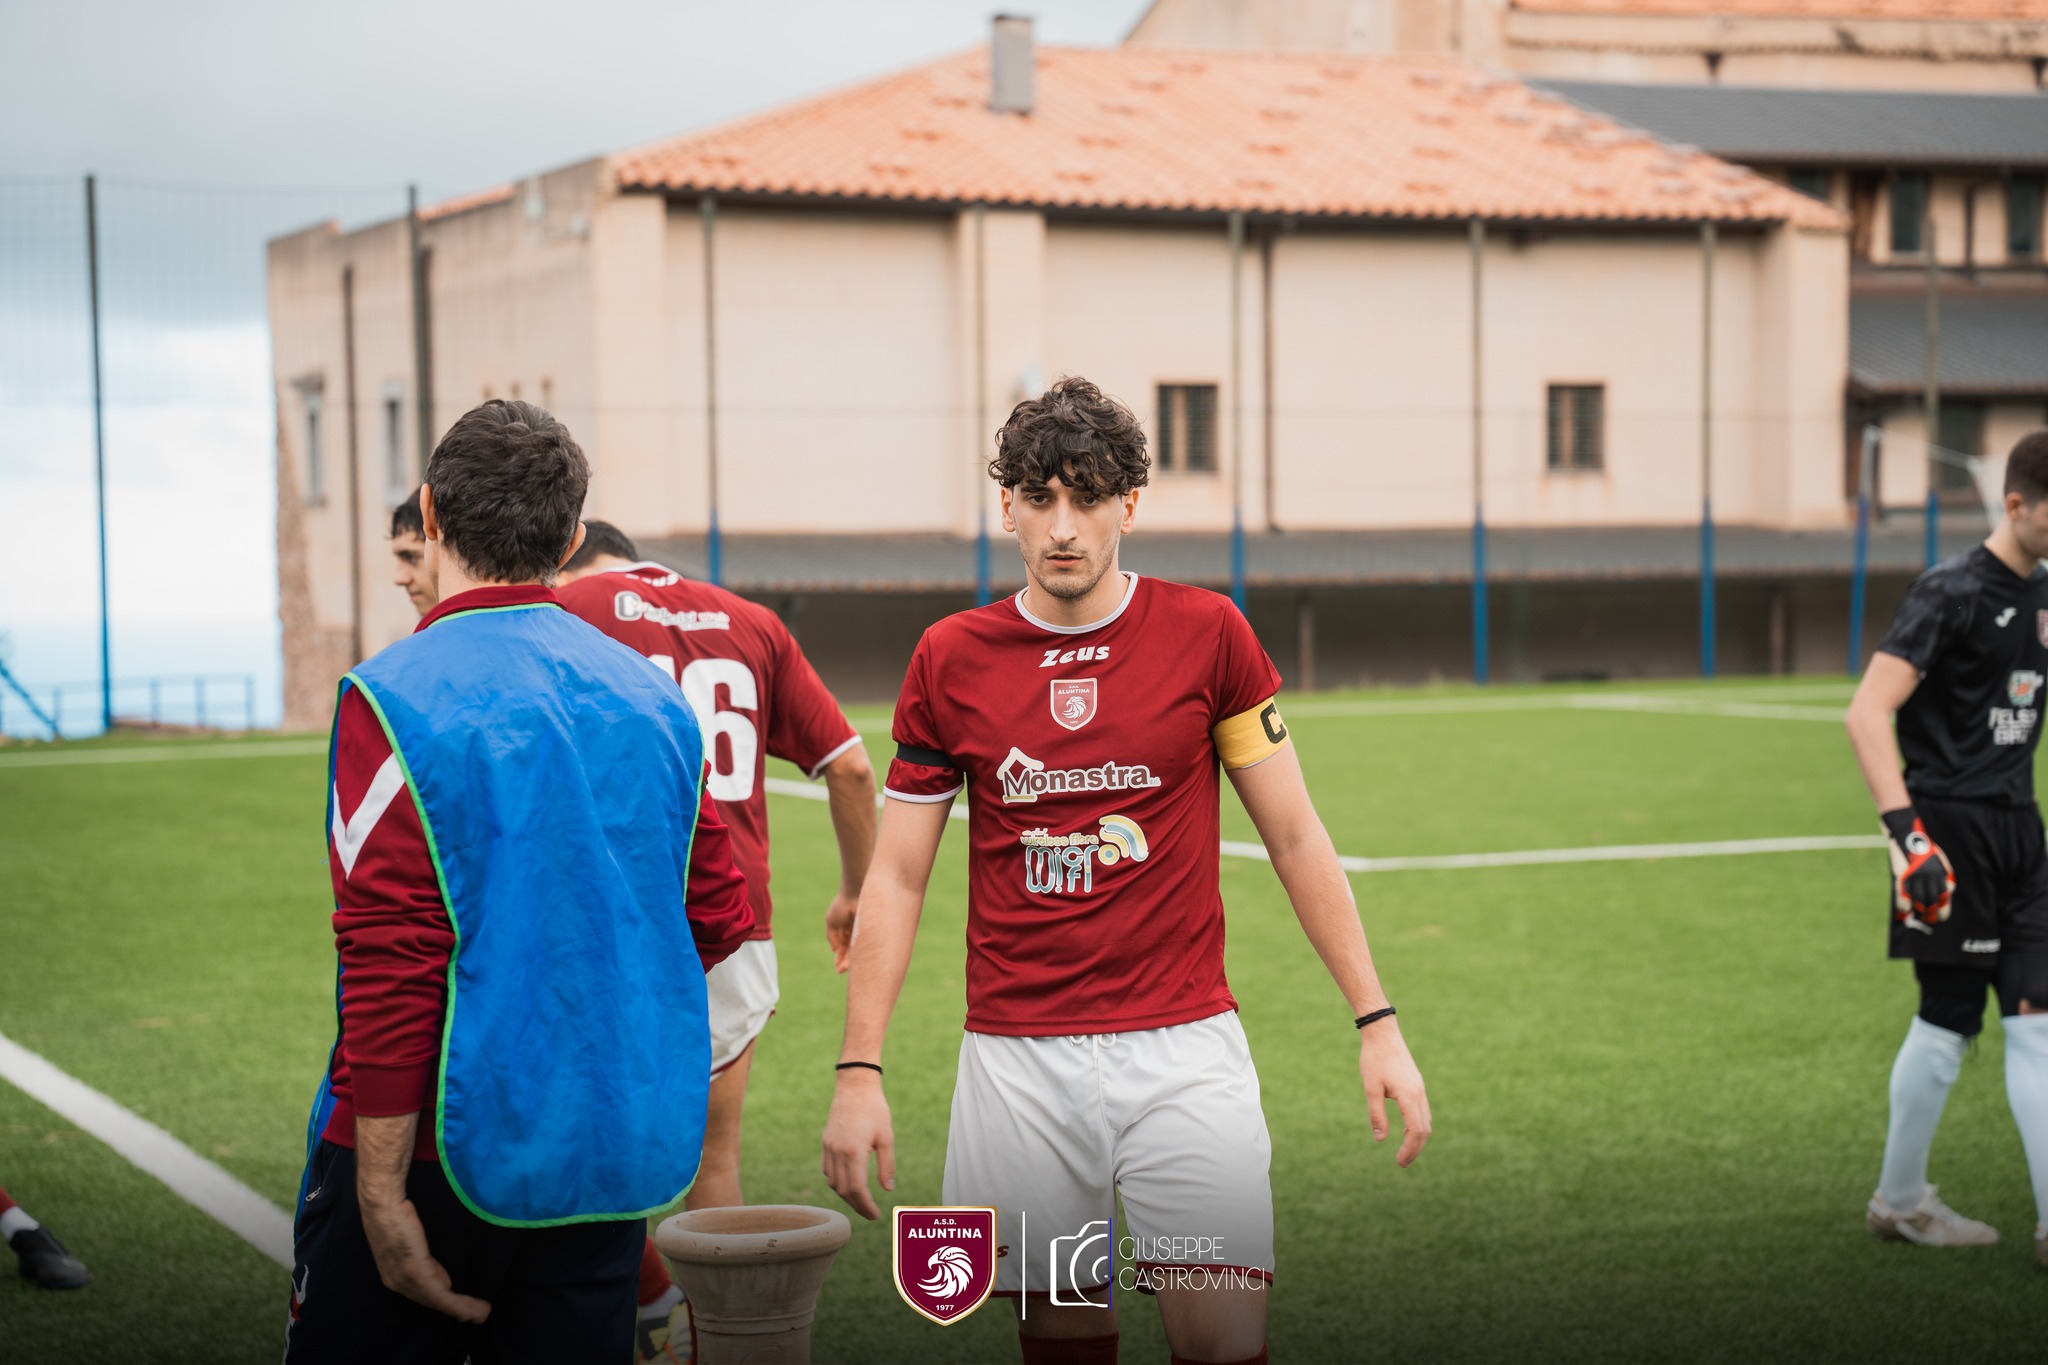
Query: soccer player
1088, 717
755, 695
44, 1261
412, 569
1961, 668
526, 876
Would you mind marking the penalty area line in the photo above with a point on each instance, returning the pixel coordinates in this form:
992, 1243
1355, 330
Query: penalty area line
190, 1176
1531, 857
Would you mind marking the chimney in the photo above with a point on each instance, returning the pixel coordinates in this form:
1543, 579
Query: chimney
1012, 69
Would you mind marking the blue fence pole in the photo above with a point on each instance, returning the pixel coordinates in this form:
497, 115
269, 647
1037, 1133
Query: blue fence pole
983, 594
1933, 526
1479, 659
714, 551
1706, 588
1237, 557
1856, 575
34, 710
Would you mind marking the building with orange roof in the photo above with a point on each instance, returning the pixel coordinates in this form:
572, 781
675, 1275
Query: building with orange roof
1354, 298
1984, 46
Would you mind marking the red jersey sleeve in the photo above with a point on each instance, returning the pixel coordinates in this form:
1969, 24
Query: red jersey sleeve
1245, 677
390, 925
922, 770
716, 894
807, 727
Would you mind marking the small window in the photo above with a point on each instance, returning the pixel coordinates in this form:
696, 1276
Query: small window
316, 479
1577, 439
1909, 213
1962, 433
1810, 182
1187, 428
396, 484
2023, 218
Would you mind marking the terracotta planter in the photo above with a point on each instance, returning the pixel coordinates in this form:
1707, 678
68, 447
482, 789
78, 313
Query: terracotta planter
752, 1275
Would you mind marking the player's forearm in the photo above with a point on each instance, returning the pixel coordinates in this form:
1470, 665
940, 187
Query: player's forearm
1877, 753
1316, 886
884, 933
383, 1158
850, 788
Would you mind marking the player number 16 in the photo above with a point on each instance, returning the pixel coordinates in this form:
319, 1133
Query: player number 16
700, 681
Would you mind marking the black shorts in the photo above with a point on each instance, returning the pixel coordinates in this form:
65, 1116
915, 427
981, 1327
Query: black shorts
2000, 859
556, 1294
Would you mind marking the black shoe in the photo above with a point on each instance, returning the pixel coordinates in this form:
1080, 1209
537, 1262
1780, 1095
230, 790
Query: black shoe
44, 1260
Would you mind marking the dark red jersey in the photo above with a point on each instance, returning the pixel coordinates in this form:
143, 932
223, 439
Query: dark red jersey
392, 929
1093, 897
754, 693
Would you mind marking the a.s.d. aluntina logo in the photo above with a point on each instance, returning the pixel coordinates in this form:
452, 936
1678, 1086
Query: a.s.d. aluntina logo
945, 1259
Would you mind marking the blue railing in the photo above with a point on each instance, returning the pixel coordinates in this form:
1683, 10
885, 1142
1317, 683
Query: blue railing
211, 701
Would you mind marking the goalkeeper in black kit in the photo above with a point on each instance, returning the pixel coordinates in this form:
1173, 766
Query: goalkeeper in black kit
1962, 669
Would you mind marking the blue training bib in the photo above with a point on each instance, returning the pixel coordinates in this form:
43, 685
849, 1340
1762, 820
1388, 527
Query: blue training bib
557, 777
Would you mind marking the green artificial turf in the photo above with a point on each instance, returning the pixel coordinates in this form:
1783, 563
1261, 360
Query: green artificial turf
1659, 1087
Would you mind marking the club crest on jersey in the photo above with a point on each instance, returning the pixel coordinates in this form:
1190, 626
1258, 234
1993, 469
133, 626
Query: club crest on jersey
945, 1259
2023, 687
1073, 701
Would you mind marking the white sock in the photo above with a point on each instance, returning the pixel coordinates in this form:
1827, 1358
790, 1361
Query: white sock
1929, 1061
659, 1308
16, 1220
2026, 1089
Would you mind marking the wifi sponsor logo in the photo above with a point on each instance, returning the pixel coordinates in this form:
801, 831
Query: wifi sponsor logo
1062, 864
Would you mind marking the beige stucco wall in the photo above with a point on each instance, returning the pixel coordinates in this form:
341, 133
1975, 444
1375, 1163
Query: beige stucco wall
1785, 50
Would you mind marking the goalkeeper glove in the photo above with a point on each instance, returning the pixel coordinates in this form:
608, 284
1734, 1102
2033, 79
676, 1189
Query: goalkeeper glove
1923, 884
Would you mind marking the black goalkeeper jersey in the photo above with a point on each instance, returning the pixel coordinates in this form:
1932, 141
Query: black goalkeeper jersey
1978, 633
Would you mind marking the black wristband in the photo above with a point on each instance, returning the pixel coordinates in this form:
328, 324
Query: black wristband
1375, 1016
1899, 823
848, 1066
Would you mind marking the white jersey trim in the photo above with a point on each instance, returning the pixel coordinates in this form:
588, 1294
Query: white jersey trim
826, 761
1130, 593
895, 795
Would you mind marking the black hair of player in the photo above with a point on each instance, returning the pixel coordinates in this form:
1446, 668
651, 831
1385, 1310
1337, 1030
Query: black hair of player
2026, 469
406, 519
508, 483
1075, 433
602, 538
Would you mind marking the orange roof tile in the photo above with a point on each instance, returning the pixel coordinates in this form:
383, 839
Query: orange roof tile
463, 203
1404, 137
1926, 10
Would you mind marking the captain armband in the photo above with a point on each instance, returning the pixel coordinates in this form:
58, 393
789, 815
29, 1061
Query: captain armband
1251, 736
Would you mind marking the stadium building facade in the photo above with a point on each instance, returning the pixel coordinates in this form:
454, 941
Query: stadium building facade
1353, 297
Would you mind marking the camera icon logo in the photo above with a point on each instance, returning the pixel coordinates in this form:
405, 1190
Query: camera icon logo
1080, 1262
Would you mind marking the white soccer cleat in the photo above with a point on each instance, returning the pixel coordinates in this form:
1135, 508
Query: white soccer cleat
1933, 1224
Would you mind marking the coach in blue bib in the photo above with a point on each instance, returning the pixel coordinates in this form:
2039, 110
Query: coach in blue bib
540, 787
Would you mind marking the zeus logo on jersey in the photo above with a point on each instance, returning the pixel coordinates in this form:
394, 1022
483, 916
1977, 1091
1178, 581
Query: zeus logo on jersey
1086, 654
1059, 864
631, 606
1025, 779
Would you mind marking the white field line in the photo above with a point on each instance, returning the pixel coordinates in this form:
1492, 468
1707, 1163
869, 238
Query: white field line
162, 753
191, 1177
1445, 862
1569, 701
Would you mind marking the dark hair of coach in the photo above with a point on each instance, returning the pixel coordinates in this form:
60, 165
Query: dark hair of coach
506, 486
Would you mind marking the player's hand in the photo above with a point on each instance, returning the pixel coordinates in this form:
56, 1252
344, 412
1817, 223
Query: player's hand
839, 930
858, 1124
1389, 1073
1922, 879
405, 1265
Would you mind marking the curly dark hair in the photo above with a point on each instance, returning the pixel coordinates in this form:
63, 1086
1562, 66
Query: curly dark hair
508, 484
1075, 433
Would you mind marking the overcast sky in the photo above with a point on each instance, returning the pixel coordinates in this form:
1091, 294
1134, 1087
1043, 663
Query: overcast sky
352, 101
453, 94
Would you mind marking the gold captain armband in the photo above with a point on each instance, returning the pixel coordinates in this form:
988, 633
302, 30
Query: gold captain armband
1252, 736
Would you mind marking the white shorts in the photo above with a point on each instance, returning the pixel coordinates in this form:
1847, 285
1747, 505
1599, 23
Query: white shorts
1049, 1131
741, 991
